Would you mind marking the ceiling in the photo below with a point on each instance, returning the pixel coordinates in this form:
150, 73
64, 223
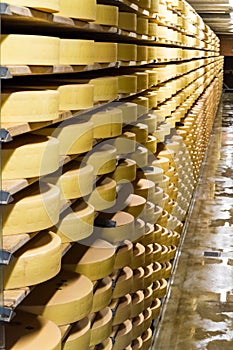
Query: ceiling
216, 13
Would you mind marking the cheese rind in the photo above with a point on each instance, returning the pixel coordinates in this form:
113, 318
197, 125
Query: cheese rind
82, 9
102, 158
79, 336
126, 52
44, 251
106, 15
127, 84
104, 194
37, 50
107, 123
43, 5
101, 326
77, 52
76, 96
105, 88
127, 21
102, 294
105, 52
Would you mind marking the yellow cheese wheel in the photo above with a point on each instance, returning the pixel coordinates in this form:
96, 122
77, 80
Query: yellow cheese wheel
148, 277
157, 251
148, 213
138, 256
127, 21
137, 306
144, 4
148, 254
129, 111
144, 188
122, 282
147, 318
142, 104
136, 344
152, 99
127, 84
66, 298
78, 336
121, 309
95, 261
75, 223
39, 154
147, 339
76, 96
142, 80
82, 9
107, 123
77, 52
152, 29
148, 296
29, 106
105, 52
138, 279
135, 205
162, 162
74, 136
137, 323
150, 120
154, 7
123, 226
125, 143
102, 294
35, 209
47, 6
151, 144
152, 73
28, 331
126, 52
148, 237
37, 50
106, 15
105, 345
122, 335
105, 88
152, 53
101, 326
142, 25
44, 251
104, 194
140, 130
140, 156
140, 228
102, 158
125, 171
142, 53
123, 255
152, 173
155, 308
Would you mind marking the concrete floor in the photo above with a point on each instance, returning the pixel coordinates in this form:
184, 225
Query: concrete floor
198, 312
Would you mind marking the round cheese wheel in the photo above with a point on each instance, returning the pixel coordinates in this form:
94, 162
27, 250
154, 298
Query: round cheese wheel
138, 256
147, 339
39, 154
168, 270
140, 229
148, 254
34, 209
47, 6
150, 120
147, 318
126, 52
142, 25
138, 279
152, 29
122, 282
152, 99
121, 309
105, 88
157, 213
122, 335
125, 171
106, 15
137, 306
101, 326
105, 52
102, 158
123, 255
105, 345
76, 96
148, 275
127, 84
148, 237
78, 336
122, 228
142, 105
75, 223
102, 294
162, 163
127, 21
140, 156
152, 53
142, 53
157, 251
140, 130
148, 213
77, 52
74, 136
129, 111
163, 288
26, 106
28, 331
95, 261
66, 298
155, 308
158, 196
107, 123
135, 205
138, 326
44, 250
85, 10
152, 173
148, 296
33, 53
151, 144
144, 188
157, 274
126, 143
104, 194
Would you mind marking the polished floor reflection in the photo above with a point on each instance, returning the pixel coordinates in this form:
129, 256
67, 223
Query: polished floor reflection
198, 312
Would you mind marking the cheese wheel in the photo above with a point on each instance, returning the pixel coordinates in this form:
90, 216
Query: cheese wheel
28, 332
163, 288
147, 318
105, 345
78, 336
122, 282
140, 228
148, 276
140, 130
105, 88
102, 294
142, 105
142, 25
152, 173
66, 298
126, 52
142, 53
77, 52
95, 261
137, 323
148, 237
44, 250
142, 80
157, 251
105, 52
136, 344
125, 143
107, 123
135, 205
129, 111
147, 339
37, 50
154, 7
157, 213
138, 256
127, 84
138, 279
144, 188
152, 53
140, 156
125, 171
29, 106
101, 326
47, 6
75, 223
162, 162
104, 194
127, 21
122, 335
148, 254
74, 136
150, 120
102, 158
123, 255
35, 209
137, 306
82, 9
106, 15
121, 309
76, 96
155, 308
152, 29
122, 228
157, 275
148, 296
151, 144
144, 4
39, 154
152, 99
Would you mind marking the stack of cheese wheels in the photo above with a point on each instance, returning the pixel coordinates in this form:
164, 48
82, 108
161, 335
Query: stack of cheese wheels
127, 21
24, 106
32, 210
34, 52
44, 250
66, 298
106, 15
84, 10
48, 6
78, 336
40, 154
75, 136
28, 331
105, 88
105, 52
